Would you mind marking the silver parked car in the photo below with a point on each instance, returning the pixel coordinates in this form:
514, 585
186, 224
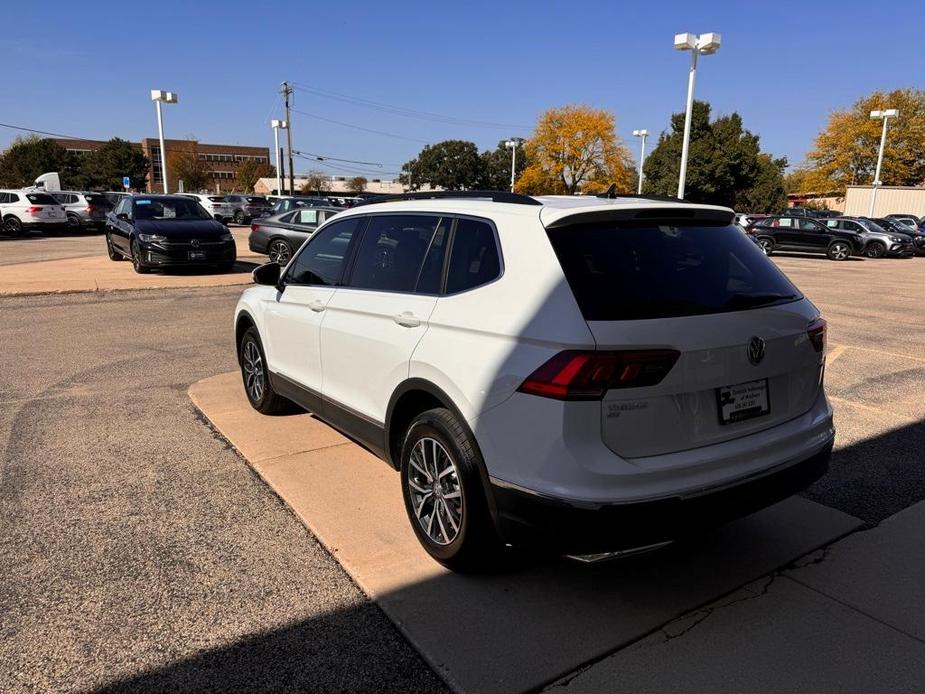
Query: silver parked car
281, 235
247, 207
83, 210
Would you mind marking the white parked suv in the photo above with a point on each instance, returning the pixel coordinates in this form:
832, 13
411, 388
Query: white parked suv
580, 374
23, 210
215, 205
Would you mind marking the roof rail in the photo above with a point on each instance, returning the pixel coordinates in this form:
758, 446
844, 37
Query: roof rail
612, 193
493, 195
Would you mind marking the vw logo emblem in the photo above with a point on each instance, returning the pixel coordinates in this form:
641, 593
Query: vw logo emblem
195, 243
755, 350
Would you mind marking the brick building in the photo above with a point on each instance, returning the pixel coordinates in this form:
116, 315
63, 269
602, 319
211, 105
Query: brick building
223, 161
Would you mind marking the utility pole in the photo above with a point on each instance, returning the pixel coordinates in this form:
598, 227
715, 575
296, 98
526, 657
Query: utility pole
286, 91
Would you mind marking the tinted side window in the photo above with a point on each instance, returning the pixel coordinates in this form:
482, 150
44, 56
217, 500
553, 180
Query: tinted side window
391, 255
474, 257
321, 260
13, 197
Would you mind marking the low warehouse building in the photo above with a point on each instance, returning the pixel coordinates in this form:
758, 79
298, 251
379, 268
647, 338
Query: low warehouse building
890, 200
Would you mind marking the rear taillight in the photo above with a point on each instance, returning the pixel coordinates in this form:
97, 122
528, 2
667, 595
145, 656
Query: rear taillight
33, 210
577, 375
816, 332
254, 228
90, 209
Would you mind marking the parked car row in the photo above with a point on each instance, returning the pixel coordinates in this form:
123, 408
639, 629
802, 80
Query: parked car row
839, 238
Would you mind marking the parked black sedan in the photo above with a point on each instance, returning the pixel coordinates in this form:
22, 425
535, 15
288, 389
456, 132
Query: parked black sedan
805, 234
281, 235
157, 231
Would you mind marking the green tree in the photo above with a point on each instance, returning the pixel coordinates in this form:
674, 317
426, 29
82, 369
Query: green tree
185, 165
357, 184
251, 171
495, 167
845, 152
105, 167
29, 157
452, 165
725, 163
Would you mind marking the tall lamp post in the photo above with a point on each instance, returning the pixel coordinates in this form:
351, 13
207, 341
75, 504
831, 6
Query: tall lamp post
885, 116
512, 145
277, 124
159, 96
642, 134
705, 44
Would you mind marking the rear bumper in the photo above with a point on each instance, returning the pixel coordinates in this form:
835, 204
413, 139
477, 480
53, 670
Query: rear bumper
525, 519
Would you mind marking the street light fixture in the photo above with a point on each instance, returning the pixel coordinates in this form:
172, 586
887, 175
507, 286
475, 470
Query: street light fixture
276, 125
885, 116
705, 44
512, 145
159, 96
643, 134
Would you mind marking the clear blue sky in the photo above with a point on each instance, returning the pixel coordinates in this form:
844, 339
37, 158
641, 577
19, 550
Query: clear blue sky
86, 68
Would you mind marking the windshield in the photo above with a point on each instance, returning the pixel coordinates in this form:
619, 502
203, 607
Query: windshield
169, 208
633, 271
871, 226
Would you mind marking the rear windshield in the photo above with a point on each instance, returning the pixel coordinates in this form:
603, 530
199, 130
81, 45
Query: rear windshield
41, 199
217, 198
257, 201
637, 270
98, 201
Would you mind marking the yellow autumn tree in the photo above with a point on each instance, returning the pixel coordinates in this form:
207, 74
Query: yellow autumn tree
845, 152
575, 149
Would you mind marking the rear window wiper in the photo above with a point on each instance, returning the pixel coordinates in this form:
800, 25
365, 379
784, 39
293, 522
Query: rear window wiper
752, 300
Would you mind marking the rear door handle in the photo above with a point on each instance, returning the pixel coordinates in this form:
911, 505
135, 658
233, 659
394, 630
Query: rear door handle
407, 320
316, 306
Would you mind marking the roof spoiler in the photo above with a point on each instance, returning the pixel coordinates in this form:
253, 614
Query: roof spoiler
611, 194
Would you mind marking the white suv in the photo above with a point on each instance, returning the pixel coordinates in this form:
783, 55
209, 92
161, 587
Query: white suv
23, 210
581, 374
215, 205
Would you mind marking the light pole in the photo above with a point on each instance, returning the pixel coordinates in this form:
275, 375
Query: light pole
705, 44
885, 115
643, 134
512, 145
159, 96
277, 124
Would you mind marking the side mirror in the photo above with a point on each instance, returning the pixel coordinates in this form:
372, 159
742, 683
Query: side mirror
267, 274
123, 216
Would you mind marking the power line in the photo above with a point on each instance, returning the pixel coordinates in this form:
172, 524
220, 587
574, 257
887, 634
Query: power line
347, 169
357, 127
323, 157
408, 112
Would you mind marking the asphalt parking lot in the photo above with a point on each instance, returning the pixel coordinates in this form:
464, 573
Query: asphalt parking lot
138, 551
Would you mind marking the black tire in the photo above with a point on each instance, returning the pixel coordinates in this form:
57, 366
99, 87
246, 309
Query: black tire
256, 378
114, 255
766, 245
239, 217
137, 263
13, 226
473, 545
280, 251
74, 223
839, 250
875, 249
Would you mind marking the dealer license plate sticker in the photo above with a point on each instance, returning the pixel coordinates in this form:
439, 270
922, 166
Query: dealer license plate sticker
743, 401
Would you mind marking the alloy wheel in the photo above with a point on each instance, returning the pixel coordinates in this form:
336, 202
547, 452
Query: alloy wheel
875, 250
436, 492
840, 251
766, 246
279, 252
252, 364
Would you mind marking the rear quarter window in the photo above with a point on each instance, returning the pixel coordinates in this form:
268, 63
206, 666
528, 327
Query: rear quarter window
640, 270
474, 257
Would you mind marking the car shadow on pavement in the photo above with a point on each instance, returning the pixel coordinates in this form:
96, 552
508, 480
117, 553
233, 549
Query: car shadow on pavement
876, 477
239, 268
